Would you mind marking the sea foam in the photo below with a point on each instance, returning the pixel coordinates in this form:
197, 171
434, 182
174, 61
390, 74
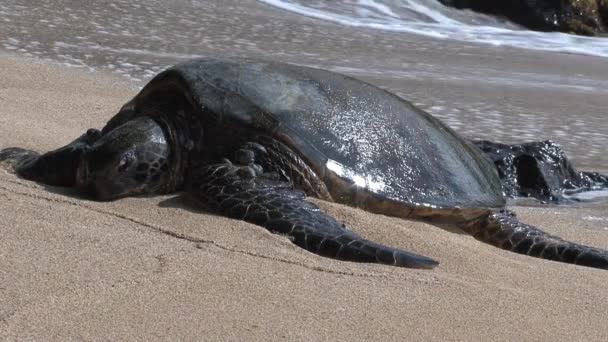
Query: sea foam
431, 18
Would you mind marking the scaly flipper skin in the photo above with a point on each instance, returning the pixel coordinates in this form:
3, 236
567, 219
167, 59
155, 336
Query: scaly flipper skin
14, 158
56, 167
503, 230
238, 192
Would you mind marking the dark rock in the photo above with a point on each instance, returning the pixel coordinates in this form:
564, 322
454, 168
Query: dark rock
603, 10
585, 17
540, 170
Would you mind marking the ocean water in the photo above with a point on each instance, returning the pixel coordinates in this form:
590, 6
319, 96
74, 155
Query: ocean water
432, 19
486, 78
158, 31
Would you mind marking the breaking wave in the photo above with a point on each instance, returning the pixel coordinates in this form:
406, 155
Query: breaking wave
431, 18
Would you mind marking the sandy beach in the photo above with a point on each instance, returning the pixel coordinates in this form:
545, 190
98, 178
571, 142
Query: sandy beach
156, 269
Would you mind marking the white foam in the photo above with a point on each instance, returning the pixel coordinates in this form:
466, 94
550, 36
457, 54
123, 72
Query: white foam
430, 18
595, 218
379, 7
89, 47
588, 195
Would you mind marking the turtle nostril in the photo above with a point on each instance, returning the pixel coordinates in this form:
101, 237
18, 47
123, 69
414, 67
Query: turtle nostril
93, 134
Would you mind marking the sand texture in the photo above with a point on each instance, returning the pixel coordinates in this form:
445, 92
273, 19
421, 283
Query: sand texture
155, 269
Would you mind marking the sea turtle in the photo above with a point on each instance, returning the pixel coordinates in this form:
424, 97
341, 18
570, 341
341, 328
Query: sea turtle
251, 139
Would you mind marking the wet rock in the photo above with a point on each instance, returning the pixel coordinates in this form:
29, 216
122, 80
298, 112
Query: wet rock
584, 17
540, 170
603, 10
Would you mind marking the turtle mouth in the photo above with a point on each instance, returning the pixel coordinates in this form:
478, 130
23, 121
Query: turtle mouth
88, 187
82, 170
83, 180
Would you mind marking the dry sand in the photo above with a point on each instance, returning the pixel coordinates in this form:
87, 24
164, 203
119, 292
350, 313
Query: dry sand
151, 269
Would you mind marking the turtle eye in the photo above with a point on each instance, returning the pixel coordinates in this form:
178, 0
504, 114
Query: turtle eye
125, 161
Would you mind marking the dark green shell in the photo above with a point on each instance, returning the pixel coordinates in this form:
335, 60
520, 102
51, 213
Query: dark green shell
343, 127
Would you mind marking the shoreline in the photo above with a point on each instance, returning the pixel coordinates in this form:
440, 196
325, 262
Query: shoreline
488, 92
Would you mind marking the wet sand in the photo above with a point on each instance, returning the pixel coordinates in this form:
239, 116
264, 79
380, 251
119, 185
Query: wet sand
155, 269
483, 91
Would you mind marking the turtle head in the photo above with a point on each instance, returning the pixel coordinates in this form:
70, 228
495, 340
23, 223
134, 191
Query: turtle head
131, 159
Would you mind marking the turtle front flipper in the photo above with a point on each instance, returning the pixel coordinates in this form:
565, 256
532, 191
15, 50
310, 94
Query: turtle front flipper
56, 167
14, 158
503, 230
240, 192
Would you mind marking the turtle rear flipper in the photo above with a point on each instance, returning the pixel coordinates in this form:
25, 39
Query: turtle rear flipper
226, 189
503, 230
